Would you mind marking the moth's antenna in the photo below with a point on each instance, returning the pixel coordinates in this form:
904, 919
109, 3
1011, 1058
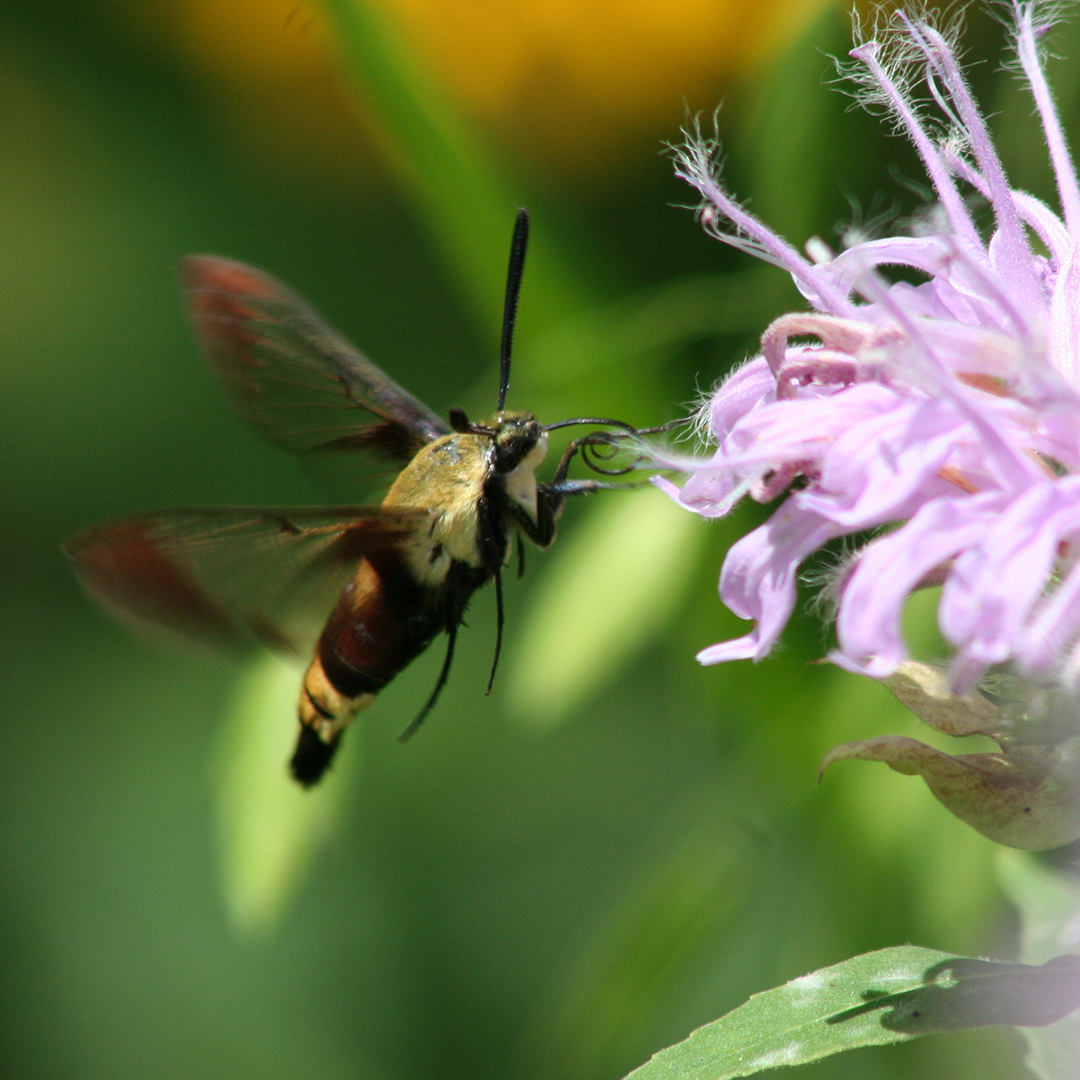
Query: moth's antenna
513, 286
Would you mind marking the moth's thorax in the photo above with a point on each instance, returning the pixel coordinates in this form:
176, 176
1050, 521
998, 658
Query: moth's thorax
451, 476
446, 478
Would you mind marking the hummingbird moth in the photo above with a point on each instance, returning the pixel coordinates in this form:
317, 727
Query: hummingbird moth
392, 576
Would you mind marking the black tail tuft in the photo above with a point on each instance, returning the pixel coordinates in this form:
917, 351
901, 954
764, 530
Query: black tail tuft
312, 757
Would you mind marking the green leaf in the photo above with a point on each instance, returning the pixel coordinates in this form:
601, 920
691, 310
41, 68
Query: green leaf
464, 197
696, 884
1049, 904
268, 827
888, 996
607, 590
640, 331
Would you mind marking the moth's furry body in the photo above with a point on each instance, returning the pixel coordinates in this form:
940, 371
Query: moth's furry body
475, 490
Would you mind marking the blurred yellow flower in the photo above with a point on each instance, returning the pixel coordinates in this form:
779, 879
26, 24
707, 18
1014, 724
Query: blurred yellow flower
574, 77
563, 82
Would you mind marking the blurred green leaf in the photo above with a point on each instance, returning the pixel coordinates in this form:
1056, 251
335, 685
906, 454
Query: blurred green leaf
606, 591
792, 144
269, 828
463, 194
639, 955
887, 996
1049, 904
632, 333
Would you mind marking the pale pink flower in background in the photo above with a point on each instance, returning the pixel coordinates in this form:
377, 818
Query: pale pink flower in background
942, 418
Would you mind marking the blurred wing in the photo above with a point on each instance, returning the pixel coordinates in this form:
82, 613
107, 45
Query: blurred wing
297, 379
233, 576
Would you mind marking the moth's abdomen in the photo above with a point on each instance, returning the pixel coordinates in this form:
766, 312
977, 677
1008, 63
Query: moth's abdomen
324, 713
383, 619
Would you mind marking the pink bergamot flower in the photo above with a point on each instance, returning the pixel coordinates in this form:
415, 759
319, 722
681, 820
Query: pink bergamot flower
940, 419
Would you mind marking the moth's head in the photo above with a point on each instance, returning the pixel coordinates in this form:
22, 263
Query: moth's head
516, 438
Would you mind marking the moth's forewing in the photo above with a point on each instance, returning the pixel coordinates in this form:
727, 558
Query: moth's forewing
230, 577
284, 368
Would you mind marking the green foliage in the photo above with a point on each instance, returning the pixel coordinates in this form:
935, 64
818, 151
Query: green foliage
462, 193
269, 828
616, 584
882, 997
695, 887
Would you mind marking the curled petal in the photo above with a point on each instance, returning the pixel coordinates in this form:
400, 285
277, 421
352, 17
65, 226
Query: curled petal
873, 469
1064, 330
841, 335
742, 391
993, 586
1045, 222
868, 625
758, 579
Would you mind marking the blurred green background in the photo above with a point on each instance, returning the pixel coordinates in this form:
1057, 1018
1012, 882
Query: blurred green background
617, 845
